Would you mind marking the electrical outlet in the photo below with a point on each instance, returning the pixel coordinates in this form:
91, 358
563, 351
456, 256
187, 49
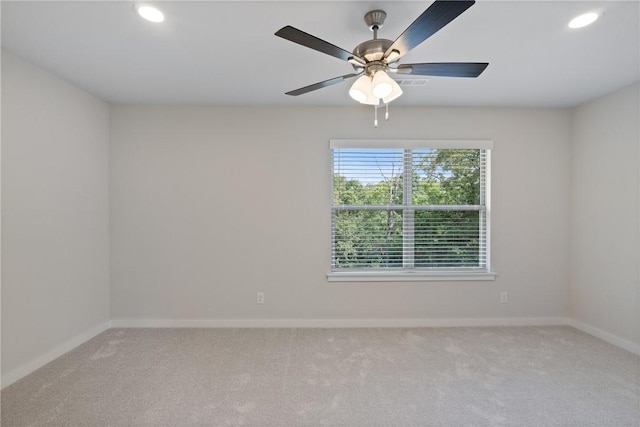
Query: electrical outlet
260, 298
504, 297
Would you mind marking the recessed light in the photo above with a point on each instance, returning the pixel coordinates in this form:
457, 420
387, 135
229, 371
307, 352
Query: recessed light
584, 20
149, 13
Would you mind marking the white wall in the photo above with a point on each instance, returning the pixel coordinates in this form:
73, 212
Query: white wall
604, 282
211, 205
55, 283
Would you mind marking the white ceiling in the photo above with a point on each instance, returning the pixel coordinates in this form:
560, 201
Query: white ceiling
225, 53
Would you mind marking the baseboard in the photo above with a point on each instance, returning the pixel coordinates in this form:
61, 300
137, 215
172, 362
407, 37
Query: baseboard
605, 336
38, 362
334, 323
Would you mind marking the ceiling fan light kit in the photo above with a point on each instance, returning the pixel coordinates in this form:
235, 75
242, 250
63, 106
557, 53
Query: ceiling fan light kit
396, 91
381, 84
361, 89
373, 59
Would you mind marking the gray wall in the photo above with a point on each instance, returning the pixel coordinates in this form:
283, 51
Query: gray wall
211, 205
605, 239
55, 273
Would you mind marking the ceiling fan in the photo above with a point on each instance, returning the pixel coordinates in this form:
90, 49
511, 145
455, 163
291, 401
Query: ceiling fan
373, 59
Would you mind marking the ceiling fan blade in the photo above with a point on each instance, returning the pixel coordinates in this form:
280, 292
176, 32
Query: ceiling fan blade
444, 69
430, 22
297, 36
320, 85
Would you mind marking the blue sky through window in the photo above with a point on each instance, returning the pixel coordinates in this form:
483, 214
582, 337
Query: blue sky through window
373, 165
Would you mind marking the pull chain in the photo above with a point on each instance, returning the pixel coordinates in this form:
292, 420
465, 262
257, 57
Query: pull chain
375, 116
386, 112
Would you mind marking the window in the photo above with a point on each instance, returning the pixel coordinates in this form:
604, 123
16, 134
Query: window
410, 210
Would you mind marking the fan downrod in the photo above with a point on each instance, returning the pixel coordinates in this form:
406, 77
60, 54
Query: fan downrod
373, 50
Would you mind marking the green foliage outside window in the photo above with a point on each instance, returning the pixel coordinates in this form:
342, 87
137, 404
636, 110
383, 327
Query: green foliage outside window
443, 236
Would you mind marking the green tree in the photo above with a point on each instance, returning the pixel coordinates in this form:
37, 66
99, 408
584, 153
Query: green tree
448, 238
442, 238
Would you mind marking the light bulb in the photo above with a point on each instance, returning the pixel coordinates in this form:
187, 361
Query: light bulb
381, 85
361, 89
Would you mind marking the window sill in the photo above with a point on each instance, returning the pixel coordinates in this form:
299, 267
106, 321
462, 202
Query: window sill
395, 276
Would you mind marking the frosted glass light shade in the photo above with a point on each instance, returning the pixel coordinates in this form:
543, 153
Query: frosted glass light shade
361, 89
396, 91
371, 100
381, 85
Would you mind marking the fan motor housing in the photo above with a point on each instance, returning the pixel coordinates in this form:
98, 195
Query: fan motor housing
372, 50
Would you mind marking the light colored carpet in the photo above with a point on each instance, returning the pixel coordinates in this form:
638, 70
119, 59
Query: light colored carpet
520, 376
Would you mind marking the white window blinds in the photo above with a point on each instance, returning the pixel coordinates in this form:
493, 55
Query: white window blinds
410, 205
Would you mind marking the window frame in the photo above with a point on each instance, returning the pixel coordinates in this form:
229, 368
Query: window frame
404, 274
